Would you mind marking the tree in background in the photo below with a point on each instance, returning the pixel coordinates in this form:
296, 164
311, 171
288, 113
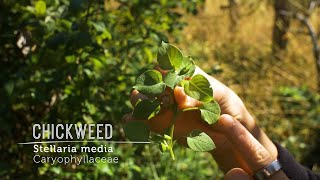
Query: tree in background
301, 10
238, 9
281, 25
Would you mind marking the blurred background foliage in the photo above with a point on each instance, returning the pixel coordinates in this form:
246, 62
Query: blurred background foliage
76, 61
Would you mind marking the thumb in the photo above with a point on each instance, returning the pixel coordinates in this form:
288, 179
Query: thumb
183, 100
237, 174
251, 151
135, 96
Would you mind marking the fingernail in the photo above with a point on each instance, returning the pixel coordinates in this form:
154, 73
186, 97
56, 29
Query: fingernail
226, 120
237, 174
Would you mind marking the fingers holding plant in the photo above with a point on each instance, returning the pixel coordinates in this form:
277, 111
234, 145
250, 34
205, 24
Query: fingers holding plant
173, 103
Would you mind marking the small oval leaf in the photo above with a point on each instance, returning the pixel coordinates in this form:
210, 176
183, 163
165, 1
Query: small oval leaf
150, 83
210, 112
149, 77
172, 79
200, 141
169, 57
187, 68
199, 88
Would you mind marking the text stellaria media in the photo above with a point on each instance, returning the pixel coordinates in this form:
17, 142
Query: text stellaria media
73, 149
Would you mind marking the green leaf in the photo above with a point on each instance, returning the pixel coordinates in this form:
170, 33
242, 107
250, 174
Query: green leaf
146, 109
199, 88
150, 83
56, 170
175, 77
169, 57
200, 141
99, 25
40, 7
164, 147
167, 137
151, 90
210, 112
136, 131
172, 78
104, 168
188, 67
190, 109
9, 86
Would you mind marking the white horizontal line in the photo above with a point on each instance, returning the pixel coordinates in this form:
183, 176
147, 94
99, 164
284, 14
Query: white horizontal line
116, 142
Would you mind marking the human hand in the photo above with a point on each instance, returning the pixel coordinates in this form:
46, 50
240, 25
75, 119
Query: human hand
188, 121
231, 104
251, 155
228, 101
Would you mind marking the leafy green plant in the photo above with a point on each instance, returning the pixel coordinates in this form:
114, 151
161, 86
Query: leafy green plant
73, 62
153, 83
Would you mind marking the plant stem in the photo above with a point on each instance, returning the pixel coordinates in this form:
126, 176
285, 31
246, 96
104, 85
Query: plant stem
171, 142
171, 153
